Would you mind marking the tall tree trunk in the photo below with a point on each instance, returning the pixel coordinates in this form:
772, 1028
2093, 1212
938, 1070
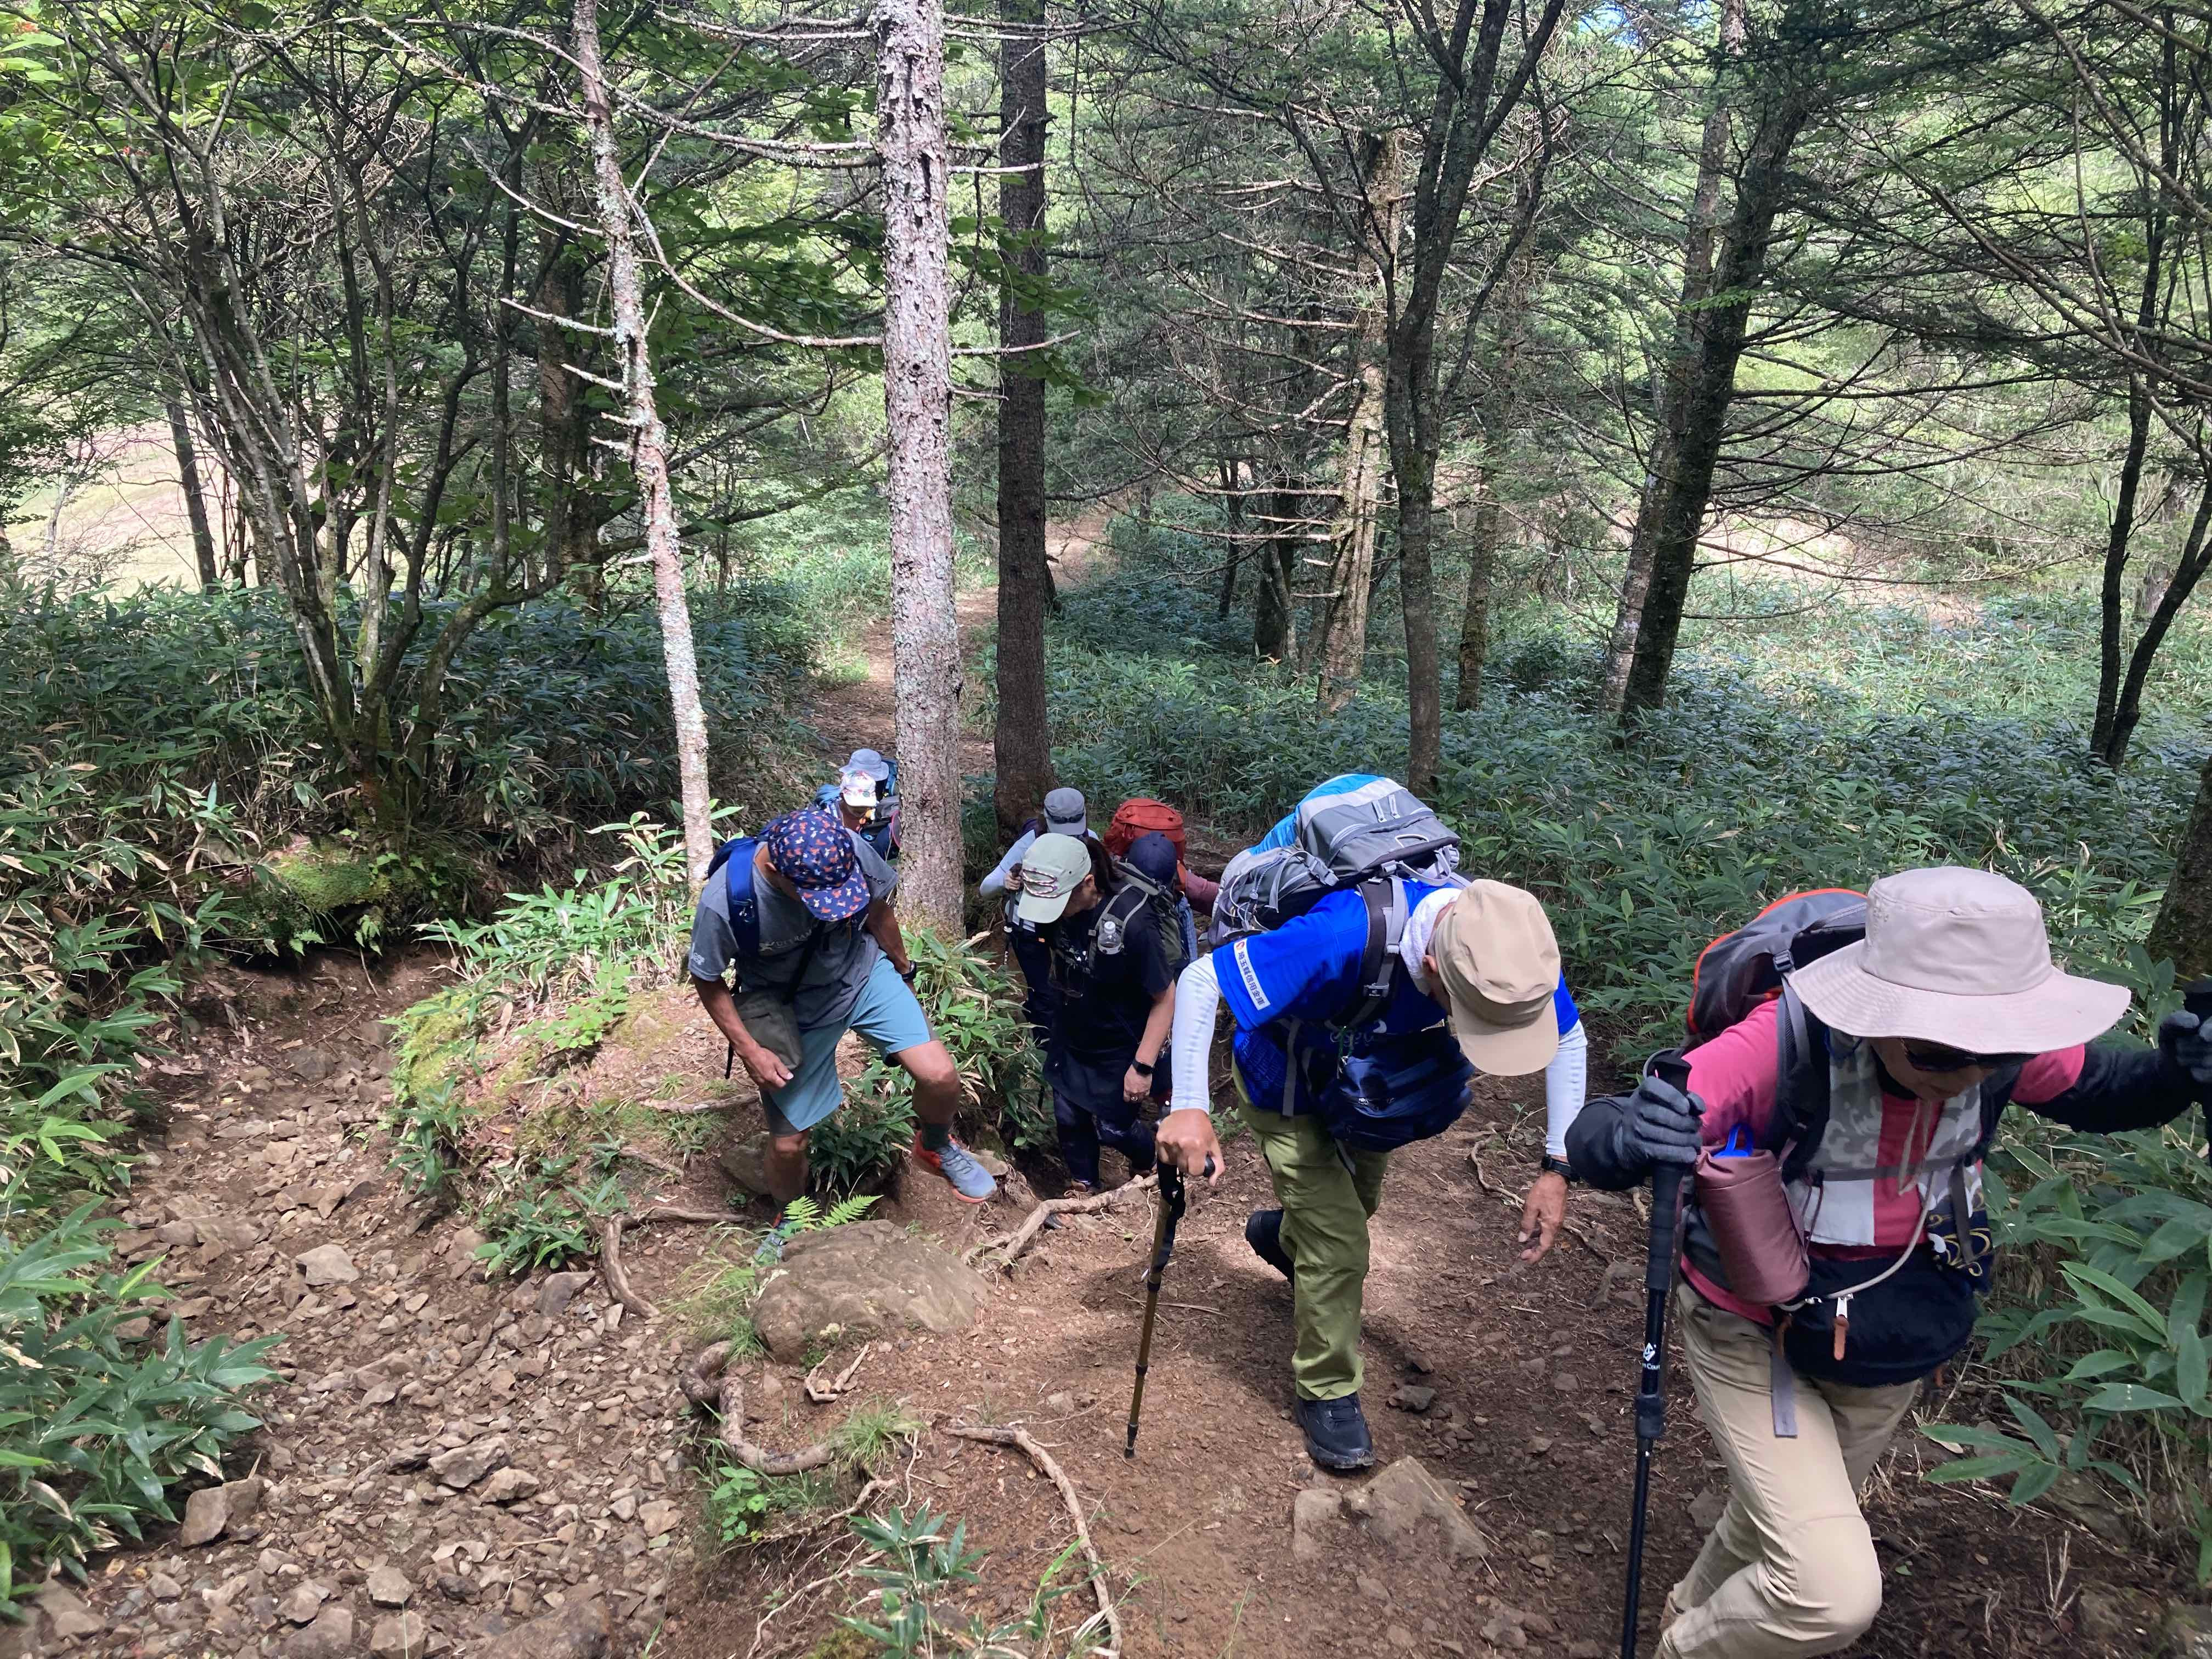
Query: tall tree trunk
2184, 928
1343, 645
196, 513
1022, 738
2189, 570
1494, 416
1233, 501
1677, 504
649, 445
1274, 620
1481, 563
918, 411
1670, 388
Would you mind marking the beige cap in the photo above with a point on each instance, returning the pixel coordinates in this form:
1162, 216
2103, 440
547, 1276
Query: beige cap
1957, 957
1051, 870
1500, 968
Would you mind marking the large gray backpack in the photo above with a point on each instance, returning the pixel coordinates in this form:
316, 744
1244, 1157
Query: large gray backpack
1374, 839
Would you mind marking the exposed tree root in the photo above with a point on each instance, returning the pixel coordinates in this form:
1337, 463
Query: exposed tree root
611, 1263
1021, 1441
1020, 1240
728, 1399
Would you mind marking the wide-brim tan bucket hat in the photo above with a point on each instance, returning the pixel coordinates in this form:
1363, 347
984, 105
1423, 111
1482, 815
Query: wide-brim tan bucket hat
1960, 958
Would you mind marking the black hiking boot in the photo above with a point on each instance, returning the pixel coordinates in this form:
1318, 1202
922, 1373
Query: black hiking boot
1263, 1231
1336, 1434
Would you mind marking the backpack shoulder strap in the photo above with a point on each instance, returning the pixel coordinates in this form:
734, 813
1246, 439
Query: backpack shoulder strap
737, 860
1387, 914
1801, 1085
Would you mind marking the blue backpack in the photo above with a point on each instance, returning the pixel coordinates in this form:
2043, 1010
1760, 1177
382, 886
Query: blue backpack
736, 859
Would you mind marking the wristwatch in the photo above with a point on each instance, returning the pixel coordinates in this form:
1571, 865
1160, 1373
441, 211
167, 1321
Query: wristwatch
1140, 1068
907, 973
1559, 1166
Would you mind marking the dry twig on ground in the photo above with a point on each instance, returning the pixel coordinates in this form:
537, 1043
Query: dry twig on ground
1022, 1442
823, 1393
1018, 1240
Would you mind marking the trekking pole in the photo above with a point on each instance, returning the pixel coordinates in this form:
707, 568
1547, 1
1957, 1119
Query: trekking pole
1650, 1389
1163, 1231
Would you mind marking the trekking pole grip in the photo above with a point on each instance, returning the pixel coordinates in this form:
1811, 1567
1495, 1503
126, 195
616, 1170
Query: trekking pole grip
2197, 997
1667, 1180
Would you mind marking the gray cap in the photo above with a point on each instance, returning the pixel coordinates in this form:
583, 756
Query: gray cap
868, 761
1066, 814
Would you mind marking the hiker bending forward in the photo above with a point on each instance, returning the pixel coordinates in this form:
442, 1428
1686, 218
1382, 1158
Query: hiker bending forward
803, 914
1920, 1035
1116, 999
1482, 957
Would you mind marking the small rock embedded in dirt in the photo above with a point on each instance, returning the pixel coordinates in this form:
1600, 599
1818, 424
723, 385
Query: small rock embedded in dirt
509, 1486
1311, 1512
327, 1264
209, 1512
659, 1517
1406, 1500
330, 1637
1418, 1362
312, 1065
164, 1588
67, 1614
302, 1602
1566, 1382
869, 1278
388, 1586
1410, 1398
1062, 1403
1399, 1638
401, 1636
1372, 1587
464, 1465
581, 1630
559, 1290
745, 1162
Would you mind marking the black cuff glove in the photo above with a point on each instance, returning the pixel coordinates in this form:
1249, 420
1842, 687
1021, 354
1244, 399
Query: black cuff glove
1659, 1127
2185, 1041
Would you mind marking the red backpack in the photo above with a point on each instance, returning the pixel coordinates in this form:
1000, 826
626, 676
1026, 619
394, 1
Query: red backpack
1144, 816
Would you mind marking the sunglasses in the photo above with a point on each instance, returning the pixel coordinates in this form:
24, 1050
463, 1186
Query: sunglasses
1936, 1057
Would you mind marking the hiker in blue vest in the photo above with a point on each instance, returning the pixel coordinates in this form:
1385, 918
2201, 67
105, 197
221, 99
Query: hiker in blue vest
866, 797
804, 915
1566, 1080
1475, 962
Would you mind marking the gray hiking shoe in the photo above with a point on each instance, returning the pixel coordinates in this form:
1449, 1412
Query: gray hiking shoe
771, 1248
969, 1180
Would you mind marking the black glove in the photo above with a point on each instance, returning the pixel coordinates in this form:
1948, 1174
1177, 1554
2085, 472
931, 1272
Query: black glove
2186, 1043
1659, 1127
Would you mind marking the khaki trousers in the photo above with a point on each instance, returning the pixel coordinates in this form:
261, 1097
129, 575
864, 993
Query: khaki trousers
1790, 1570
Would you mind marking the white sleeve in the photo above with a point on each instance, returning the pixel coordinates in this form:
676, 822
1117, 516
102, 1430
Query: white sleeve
1198, 1001
1566, 1080
995, 884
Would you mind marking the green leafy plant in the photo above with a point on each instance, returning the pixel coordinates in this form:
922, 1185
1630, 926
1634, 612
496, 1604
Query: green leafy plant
97, 1429
532, 1218
917, 1562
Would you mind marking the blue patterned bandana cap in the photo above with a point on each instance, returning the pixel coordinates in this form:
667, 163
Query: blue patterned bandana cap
813, 851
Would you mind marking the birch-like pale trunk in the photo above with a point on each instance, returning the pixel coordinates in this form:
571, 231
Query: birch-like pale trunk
918, 410
1344, 621
648, 445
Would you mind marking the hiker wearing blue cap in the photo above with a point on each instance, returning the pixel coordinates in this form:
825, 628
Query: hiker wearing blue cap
803, 914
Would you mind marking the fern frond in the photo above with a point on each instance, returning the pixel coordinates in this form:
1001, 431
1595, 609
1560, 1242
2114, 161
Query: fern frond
802, 1214
847, 1209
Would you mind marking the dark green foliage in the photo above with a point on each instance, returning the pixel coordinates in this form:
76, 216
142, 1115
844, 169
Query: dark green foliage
97, 1428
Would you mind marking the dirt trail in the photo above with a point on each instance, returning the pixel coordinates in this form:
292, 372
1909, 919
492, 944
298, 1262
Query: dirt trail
397, 1352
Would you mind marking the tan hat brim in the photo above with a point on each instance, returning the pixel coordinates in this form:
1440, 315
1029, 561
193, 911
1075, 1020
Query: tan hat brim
2060, 1012
1506, 1050
1029, 909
